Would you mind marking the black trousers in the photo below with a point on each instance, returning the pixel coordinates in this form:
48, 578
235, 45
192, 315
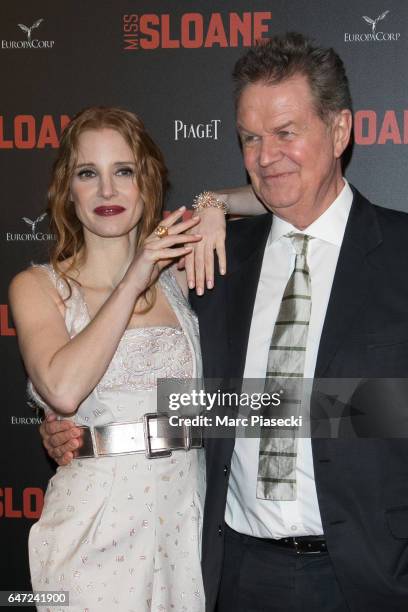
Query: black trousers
259, 576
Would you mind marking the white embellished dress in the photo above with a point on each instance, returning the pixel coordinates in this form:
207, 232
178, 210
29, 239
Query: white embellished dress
124, 532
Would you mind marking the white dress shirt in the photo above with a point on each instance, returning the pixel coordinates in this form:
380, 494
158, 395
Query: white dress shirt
244, 512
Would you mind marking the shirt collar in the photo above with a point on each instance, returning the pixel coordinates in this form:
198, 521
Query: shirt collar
330, 226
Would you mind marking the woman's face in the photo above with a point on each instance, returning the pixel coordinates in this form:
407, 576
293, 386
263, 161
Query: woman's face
103, 187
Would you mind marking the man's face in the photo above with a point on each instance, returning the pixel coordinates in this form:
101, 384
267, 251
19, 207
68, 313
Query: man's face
291, 155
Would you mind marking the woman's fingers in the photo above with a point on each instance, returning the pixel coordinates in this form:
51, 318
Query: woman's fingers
173, 226
209, 266
170, 254
221, 254
195, 269
189, 268
199, 265
184, 226
173, 217
173, 240
181, 264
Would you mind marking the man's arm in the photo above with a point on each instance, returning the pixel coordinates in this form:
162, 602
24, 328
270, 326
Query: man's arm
241, 201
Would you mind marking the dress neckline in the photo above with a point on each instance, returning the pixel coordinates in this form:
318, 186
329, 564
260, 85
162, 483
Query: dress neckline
132, 329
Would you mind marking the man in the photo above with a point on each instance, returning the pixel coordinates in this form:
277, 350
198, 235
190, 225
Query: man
333, 534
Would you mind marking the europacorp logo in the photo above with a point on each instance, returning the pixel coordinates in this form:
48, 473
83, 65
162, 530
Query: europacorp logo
32, 42
34, 235
379, 32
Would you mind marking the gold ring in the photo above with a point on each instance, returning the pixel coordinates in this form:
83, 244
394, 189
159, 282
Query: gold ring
161, 231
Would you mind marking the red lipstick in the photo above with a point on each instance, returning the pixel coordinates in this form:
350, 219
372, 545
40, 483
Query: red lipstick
108, 211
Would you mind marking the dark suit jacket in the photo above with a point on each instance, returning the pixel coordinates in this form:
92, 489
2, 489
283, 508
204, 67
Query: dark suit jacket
362, 484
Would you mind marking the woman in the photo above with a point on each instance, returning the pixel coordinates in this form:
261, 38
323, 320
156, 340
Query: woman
97, 327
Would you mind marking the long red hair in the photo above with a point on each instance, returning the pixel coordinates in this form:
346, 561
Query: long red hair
151, 177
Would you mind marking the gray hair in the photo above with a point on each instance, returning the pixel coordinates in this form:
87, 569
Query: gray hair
279, 58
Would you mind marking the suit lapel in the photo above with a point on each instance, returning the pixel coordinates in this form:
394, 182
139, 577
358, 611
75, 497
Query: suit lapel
351, 279
242, 284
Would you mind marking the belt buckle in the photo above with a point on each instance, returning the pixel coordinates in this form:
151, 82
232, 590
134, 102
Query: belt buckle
89, 447
188, 439
196, 434
299, 549
296, 545
151, 453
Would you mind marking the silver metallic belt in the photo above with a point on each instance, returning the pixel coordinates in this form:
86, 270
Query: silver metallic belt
153, 436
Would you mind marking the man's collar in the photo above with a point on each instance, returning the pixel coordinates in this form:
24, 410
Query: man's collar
330, 226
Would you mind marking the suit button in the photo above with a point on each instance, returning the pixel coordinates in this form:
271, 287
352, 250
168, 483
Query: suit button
219, 530
225, 470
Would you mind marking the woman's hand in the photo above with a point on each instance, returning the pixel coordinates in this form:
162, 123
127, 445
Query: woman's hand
156, 253
199, 262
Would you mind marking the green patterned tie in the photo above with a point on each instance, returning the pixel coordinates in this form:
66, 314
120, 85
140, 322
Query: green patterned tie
277, 455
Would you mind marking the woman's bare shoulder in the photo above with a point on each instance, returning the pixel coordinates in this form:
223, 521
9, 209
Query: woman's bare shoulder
34, 276
33, 282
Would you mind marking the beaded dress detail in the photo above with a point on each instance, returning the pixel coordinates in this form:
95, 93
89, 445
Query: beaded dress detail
124, 533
